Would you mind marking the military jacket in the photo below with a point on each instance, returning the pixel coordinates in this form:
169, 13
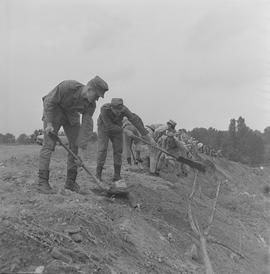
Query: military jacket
64, 104
112, 124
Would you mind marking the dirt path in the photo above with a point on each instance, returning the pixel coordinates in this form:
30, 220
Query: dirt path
147, 233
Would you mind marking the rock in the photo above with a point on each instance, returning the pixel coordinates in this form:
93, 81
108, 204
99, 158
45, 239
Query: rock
72, 229
193, 253
77, 237
105, 269
234, 257
95, 258
39, 269
66, 192
75, 255
170, 237
15, 264
162, 238
60, 268
57, 254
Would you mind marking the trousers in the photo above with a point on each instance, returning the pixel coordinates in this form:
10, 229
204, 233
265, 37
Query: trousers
72, 133
117, 145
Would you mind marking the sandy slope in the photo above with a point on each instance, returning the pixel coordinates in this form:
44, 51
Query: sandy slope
148, 232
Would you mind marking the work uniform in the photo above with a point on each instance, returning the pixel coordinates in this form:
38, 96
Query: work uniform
175, 147
62, 107
158, 130
129, 141
110, 128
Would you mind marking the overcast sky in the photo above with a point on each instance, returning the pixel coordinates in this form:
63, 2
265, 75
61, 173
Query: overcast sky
198, 62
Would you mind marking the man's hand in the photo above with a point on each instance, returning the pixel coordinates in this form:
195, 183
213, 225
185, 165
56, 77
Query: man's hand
49, 128
78, 162
148, 138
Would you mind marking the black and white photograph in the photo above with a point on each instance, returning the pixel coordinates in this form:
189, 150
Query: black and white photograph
135, 137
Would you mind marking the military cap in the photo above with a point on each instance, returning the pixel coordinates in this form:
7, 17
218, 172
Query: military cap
99, 85
172, 123
117, 102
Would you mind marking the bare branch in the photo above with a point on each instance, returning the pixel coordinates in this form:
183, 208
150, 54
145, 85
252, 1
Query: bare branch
193, 225
212, 241
194, 185
206, 232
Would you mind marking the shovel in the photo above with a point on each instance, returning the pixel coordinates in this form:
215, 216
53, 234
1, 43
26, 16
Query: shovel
116, 189
193, 164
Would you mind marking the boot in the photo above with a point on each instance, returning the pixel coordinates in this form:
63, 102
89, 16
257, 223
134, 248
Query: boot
117, 171
71, 181
43, 185
139, 160
147, 161
99, 172
129, 160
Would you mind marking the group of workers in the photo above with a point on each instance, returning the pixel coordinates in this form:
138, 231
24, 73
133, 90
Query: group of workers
165, 137
116, 123
62, 107
195, 147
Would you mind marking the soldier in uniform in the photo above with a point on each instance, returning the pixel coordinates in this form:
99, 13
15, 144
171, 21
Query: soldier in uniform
62, 107
170, 143
157, 133
110, 128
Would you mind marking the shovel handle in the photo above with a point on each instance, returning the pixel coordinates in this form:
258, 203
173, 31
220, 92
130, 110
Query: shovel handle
180, 159
55, 137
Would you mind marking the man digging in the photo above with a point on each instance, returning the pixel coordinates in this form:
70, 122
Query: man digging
110, 128
62, 107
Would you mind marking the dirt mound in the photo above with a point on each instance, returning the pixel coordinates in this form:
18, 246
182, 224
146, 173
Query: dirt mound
147, 232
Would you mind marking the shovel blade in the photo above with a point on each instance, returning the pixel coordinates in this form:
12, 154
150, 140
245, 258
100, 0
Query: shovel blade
118, 187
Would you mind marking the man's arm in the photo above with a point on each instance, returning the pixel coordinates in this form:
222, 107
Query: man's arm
50, 102
159, 132
135, 120
181, 145
86, 129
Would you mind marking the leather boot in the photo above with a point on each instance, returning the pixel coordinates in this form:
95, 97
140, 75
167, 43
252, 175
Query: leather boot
129, 160
117, 171
99, 172
43, 185
71, 181
148, 161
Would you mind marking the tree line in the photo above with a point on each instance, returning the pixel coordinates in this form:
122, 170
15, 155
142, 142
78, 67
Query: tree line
239, 143
23, 138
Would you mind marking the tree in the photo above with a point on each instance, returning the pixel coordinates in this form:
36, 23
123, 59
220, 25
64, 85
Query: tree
232, 130
238, 143
266, 135
242, 129
23, 139
255, 147
2, 138
9, 138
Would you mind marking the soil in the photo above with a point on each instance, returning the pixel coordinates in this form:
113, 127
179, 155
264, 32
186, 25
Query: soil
146, 232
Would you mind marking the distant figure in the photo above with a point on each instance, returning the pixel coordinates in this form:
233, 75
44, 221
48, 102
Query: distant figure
62, 107
110, 128
129, 141
171, 144
156, 133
